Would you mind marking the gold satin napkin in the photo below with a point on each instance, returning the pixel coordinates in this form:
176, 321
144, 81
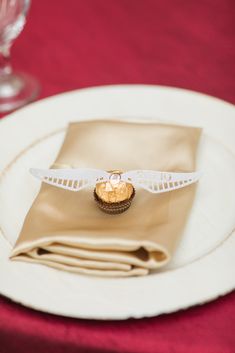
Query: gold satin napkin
66, 230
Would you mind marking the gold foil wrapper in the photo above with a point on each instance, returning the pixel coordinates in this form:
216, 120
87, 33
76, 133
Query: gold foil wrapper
109, 193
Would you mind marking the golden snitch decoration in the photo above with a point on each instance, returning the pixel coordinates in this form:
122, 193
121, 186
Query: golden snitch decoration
115, 190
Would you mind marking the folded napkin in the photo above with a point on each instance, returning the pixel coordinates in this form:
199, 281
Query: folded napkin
66, 230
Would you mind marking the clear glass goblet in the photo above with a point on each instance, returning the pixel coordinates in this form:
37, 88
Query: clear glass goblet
16, 88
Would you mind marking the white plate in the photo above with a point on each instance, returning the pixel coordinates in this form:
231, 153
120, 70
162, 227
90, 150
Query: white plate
204, 265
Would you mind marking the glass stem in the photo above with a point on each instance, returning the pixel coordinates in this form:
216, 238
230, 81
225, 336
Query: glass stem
5, 61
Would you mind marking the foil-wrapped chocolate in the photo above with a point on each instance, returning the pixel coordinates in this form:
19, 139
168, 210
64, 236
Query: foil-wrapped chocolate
114, 196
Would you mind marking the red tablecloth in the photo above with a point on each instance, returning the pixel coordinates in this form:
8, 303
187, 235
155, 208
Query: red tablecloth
70, 44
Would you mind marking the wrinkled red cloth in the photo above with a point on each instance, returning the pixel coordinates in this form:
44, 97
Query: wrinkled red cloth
70, 44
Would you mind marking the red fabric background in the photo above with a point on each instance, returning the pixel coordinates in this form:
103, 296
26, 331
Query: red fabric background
70, 44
